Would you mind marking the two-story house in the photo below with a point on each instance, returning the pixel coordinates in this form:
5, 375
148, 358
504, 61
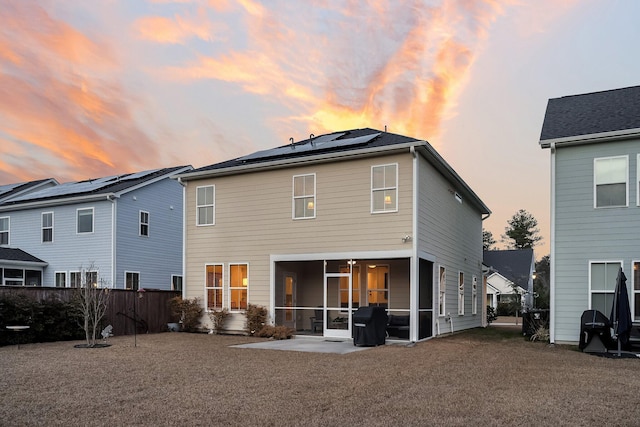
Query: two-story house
510, 276
315, 229
594, 141
126, 229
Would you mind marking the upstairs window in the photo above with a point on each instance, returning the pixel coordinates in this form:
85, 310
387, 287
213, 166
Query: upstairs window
47, 227
611, 181
205, 205
304, 196
384, 188
4, 230
144, 223
85, 221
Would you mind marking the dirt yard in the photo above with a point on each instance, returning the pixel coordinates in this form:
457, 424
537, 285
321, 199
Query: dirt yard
484, 377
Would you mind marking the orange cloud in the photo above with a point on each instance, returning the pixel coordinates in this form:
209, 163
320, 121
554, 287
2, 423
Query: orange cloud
351, 65
175, 30
61, 105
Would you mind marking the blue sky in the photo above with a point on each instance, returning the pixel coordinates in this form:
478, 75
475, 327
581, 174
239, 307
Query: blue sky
89, 89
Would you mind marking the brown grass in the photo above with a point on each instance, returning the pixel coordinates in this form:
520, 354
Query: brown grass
481, 377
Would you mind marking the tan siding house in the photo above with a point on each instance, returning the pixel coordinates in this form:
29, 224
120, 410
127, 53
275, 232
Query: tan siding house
316, 229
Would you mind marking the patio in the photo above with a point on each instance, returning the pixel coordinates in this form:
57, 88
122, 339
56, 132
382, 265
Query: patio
199, 379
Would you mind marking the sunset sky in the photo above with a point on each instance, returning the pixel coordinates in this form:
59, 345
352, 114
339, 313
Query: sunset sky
95, 88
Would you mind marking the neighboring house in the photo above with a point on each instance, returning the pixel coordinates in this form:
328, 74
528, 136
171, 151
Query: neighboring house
594, 141
15, 190
510, 276
126, 228
316, 229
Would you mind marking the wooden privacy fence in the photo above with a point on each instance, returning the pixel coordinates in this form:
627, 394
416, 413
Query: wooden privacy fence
147, 311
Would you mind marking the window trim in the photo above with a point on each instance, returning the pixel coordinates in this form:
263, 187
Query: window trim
595, 184
212, 205
442, 291
78, 273
126, 272
590, 289
221, 287
173, 288
8, 230
305, 196
474, 294
460, 293
43, 228
141, 224
55, 278
374, 190
242, 287
93, 218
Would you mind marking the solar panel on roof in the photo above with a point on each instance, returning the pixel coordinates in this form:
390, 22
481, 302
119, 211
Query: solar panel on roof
138, 175
64, 189
8, 187
322, 142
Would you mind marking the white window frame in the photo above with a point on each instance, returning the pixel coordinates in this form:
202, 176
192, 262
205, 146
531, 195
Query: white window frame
93, 218
595, 183
460, 293
591, 289
71, 282
635, 290
126, 273
442, 290
304, 197
205, 205
143, 223
173, 282
243, 287
474, 294
384, 189
47, 227
7, 231
220, 287
64, 275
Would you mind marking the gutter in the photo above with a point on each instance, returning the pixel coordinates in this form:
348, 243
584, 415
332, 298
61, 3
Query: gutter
57, 202
552, 253
591, 138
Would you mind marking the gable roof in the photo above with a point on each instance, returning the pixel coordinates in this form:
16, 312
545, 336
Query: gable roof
514, 265
333, 147
592, 117
14, 255
13, 190
91, 189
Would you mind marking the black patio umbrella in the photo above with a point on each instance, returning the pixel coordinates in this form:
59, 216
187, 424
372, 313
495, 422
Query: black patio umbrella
621, 312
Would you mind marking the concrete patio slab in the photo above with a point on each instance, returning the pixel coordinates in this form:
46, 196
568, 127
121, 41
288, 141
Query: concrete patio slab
311, 345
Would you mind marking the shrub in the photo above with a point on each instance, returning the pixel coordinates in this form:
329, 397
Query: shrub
541, 334
218, 318
276, 332
189, 311
508, 308
256, 318
491, 314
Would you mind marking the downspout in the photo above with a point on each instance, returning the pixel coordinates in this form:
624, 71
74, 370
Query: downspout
114, 223
414, 264
184, 237
552, 254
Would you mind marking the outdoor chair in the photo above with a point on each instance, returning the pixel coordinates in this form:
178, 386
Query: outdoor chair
317, 321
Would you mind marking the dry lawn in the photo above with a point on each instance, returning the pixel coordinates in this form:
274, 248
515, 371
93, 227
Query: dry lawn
481, 377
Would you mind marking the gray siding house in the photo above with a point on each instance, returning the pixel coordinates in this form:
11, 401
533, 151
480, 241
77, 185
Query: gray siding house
315, 229
594, 141
126, 228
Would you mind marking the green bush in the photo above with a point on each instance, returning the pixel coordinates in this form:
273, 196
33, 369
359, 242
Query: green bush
50, 320
491, 314
256, 318
508, 308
